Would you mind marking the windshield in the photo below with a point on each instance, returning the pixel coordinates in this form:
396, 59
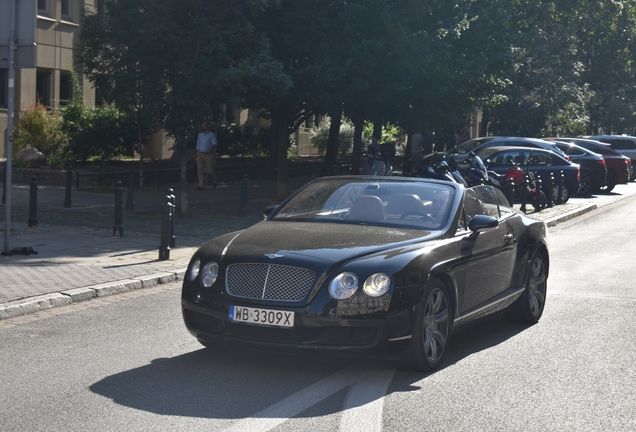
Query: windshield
408, 204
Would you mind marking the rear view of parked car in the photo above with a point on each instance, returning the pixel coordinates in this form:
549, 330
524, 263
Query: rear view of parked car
618, 166
623, 144
593, 168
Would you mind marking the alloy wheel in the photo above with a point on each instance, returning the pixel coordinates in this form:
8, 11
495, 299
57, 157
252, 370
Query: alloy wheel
436, 325
537, 282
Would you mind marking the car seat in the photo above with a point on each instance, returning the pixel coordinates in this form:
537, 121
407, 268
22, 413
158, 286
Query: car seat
402, 203
367, 208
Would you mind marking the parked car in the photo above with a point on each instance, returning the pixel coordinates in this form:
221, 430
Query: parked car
500, 159
482, 142
362, 265
618, 166
593, 168
623, 144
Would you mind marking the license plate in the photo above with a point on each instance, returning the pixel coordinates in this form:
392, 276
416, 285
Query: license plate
267, 317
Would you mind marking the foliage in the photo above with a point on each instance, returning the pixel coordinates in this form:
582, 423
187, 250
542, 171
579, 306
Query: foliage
245, 140
42, 130
320, 136
101, 132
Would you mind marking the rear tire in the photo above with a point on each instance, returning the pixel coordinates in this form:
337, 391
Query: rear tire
610, 183
587, 183
431, 332
528, 308
540, 202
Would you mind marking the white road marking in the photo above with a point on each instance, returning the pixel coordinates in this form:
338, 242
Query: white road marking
362, 408
293, 405
365, 401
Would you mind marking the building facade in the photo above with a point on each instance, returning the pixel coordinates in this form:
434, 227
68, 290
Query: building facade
57, 32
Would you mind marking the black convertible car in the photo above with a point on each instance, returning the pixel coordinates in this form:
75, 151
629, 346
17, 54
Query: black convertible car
369, 266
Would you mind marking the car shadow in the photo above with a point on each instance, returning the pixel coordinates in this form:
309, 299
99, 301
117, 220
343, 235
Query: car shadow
233, 383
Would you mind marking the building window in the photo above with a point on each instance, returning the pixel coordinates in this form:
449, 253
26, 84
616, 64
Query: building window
66, 8
66, 87
43, 87
42, 6
4, 88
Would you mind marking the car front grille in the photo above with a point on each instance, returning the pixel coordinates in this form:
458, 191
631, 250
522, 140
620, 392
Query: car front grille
269, 282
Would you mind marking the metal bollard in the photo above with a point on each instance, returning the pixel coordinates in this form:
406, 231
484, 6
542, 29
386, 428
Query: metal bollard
560, 190
69, 183
119, 191
524, 192
509, 190
131, 188
173, 201
164, 247
33, 203
549, 189
243, 207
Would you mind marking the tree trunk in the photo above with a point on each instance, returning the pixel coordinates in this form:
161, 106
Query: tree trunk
485, 119
377, 132
356, 156
141, 153
331, 157
282, 186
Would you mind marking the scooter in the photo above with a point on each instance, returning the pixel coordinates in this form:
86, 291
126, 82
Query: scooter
378, 160
441, 166
474, 172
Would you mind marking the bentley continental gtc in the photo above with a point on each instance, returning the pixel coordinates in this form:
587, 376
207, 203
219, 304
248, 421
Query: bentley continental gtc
369, 266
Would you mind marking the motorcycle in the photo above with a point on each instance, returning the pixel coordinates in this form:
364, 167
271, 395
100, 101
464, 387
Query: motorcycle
468, 170
527, 179
378, 160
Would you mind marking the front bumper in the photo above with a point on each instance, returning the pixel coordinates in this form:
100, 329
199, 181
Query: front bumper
346, 332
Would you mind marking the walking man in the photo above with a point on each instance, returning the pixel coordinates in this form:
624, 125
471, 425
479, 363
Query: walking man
205, 154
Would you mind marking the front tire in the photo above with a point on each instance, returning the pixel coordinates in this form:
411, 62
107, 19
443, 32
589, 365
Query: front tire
431, 332
528, 308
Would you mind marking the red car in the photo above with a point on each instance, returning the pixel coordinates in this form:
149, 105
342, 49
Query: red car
618, 166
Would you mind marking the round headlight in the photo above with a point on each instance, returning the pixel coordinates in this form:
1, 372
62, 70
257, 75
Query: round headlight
377, 284
194, 269
343, 286
209, 274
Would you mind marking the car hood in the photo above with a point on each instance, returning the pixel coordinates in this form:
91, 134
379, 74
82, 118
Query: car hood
330, 242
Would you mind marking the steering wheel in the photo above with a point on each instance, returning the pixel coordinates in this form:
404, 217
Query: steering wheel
423, 216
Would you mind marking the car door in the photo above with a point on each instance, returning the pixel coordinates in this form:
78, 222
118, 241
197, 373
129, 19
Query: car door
489, 254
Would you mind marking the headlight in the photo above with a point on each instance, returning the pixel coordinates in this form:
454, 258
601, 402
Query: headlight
209, 274
343, 286
377, 284
194, 270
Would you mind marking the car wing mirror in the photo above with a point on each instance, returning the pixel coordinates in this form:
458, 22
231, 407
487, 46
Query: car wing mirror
268, 210
480, 222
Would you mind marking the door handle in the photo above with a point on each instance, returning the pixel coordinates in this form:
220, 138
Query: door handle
508, 239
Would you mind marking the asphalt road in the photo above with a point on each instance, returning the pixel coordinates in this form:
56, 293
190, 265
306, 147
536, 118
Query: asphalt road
126, 362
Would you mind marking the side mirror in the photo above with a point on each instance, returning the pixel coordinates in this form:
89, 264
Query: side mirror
480, 222
268, 210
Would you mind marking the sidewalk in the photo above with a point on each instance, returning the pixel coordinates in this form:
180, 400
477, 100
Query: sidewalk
79, 257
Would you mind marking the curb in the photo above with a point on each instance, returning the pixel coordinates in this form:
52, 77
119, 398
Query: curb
570, 215
35, 304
